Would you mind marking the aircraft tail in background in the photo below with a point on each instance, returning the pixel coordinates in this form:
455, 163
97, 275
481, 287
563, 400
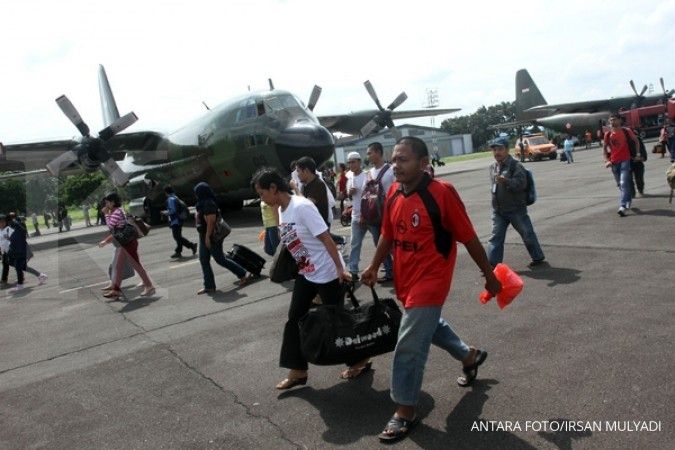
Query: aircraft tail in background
527, 93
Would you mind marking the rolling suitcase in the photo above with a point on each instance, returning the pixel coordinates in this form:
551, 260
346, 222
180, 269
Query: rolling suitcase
247, 258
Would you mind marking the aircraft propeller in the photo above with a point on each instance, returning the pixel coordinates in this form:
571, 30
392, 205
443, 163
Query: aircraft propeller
383, 118
90, 151
314, 97
667, 94
640, 95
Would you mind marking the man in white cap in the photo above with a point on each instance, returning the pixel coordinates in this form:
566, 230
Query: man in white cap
356, 178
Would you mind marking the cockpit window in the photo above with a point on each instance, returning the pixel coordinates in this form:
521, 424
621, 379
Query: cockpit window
280, 102
246, 111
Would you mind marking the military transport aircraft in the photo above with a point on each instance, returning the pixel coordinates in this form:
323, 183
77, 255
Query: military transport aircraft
224, 147
574, 118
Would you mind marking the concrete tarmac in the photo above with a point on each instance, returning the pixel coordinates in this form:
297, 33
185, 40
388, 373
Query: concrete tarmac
581, 354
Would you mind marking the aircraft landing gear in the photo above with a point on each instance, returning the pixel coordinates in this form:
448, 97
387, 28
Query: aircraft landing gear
152, 213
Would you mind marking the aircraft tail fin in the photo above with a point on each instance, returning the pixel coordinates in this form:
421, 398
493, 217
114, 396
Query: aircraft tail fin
527, 93
108, 105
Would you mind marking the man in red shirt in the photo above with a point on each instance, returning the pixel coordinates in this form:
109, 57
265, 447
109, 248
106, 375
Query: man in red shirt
424, 253
616, 151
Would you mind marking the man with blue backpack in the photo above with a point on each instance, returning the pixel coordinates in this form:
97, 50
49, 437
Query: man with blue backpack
178, 213
512, 191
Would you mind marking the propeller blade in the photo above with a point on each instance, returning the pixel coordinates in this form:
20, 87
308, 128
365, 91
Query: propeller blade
373, 95
314, 97
117, 176
62, 161
644, 89
271, 84
369, 128
663, 86
72, 114
397, 101
117, 126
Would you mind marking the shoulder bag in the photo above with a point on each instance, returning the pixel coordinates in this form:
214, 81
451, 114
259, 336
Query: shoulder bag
333, 334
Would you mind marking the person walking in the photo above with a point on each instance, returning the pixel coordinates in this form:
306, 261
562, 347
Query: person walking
375, 153
270, 219
46, 217
423, 270
509, 185
85, 214
568, 148
342, 186
663, 139
5, 232
616, 151
124, 254
637, 170
355, 182
177, 210
206, 220
305, 234
34, 219
16, 234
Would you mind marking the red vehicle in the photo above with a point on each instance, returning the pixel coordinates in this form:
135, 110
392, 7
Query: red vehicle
648, 120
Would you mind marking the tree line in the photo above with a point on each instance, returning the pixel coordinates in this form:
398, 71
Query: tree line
477, 124
45, 193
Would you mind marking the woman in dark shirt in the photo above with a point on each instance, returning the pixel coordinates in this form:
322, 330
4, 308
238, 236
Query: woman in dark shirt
206, 217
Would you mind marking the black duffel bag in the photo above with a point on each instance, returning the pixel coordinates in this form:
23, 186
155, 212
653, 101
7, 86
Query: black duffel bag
334, 334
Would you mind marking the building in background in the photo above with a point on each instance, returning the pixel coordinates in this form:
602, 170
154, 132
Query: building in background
446, 143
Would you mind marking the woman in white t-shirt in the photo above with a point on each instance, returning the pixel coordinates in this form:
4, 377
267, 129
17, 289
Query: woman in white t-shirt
320, 267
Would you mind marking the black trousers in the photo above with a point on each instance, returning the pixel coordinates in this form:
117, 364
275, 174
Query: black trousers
5, 268
638, 171
177, 232
304, 292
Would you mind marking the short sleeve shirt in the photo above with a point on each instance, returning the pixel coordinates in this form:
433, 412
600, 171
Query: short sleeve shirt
315, 190
423, 277
300, 225
358, 182
209, 207
618, 145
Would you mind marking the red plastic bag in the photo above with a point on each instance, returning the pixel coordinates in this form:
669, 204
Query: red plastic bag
512, 284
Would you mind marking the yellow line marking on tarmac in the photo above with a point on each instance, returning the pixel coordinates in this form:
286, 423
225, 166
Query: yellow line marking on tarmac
177, 266
84, 287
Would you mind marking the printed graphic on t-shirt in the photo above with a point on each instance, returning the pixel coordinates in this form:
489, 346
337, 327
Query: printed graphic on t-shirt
289, 238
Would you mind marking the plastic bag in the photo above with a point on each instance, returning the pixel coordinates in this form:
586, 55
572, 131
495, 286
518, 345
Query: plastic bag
512, 284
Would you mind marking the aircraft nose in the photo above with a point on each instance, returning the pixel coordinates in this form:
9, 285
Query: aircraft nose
304, 139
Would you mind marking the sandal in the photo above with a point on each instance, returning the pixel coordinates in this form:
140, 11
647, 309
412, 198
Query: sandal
147, 292
112, 294
288, 383
247, 279
397, 428
353, 373
471, 372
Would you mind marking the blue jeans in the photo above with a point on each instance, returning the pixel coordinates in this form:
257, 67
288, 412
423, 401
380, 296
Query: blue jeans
218, 255
271, 240
523, 225
420, 327
622, 175
358, 233
568, 153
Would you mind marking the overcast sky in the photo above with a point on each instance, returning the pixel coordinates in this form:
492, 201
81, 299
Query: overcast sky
163, 58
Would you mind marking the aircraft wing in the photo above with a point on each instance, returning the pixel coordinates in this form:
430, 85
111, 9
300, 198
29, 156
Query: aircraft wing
422, 113
508, 125
352, 123
31, 158
576, 107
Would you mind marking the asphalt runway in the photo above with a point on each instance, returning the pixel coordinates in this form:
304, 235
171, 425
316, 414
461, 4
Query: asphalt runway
587, 341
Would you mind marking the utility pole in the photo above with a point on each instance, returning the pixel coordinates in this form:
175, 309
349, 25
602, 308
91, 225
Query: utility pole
432, 102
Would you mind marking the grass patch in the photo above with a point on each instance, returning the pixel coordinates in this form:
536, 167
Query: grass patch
475, 155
